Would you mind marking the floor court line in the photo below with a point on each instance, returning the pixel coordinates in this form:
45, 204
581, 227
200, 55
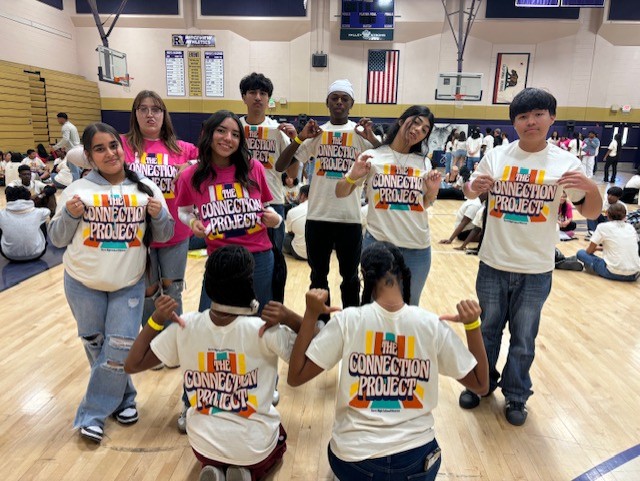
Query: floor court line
610, 464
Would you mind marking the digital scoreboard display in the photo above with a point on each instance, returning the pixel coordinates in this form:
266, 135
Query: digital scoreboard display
367, 20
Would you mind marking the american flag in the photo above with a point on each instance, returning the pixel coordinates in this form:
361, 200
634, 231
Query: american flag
382, 77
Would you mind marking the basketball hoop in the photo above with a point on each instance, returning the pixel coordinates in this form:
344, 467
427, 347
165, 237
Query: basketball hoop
125, 81
459, 100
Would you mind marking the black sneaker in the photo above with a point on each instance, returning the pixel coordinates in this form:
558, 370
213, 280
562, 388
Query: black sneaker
468, 400
126, 416
515, 412
92, 433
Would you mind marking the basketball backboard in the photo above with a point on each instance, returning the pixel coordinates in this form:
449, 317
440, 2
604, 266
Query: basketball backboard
461, 86
113, 66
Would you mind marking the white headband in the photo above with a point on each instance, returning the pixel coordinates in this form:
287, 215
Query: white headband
342, 85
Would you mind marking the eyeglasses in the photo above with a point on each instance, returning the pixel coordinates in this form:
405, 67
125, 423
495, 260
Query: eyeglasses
153, 110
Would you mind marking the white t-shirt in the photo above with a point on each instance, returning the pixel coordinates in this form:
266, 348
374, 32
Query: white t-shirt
397, 213
613, 147
35, 187
606, 205
634, 182
505, 142
468, 209
36, 165
229, 374
619, 247
332, 153
459, 145
477, 219
488, 143
296, 222
520, 233
473, 147
573, 146
266, 143
389, 377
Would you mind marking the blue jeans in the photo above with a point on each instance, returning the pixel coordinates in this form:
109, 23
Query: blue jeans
593, 223
166, 263
417, 260
75, 170
471, 161
448, 157
262, 279
599, 266
517, 298
108, 323
277, 234
407, 465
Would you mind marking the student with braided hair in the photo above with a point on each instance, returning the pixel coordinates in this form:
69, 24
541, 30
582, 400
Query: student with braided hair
391, 356
107, 220
229, 360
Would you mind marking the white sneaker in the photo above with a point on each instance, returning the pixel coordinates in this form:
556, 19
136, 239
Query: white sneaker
127, 416
235, 473
276, 398
211, 473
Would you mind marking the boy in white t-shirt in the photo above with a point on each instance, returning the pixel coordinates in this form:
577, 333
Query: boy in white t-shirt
619, 246
524, 180
333, 223
266, 139
229, 361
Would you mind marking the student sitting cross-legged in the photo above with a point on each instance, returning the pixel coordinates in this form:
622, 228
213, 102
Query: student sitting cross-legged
391, 356
229, 361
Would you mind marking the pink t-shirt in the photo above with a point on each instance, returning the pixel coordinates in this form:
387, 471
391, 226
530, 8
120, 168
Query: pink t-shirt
158, 164
230, 213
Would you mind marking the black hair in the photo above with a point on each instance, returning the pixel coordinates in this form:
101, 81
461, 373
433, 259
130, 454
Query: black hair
615, 191
618, 138
284, 179
256, 81
475, 132
488, 130
23, 167
304, 190
30, 151
228, 276
17, 193
240, 158
576, 135
383, 260
87, 138
530, 99
16, 157
410, 115
462, 136
564, 207
465, 173
62, 115
42, 152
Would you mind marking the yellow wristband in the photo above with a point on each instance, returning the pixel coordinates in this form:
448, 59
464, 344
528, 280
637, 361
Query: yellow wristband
349, 179
193, 219
472, 325
298, 140
154, 325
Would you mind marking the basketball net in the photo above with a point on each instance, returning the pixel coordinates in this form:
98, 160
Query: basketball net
124, 81
458, 102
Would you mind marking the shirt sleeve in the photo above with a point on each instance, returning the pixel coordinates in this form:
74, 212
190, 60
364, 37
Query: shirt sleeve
326, 348
165, 345
280, 340
454, 359
257, 172
597, 237
184, 189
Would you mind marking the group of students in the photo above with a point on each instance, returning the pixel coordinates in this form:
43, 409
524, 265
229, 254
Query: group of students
126, 227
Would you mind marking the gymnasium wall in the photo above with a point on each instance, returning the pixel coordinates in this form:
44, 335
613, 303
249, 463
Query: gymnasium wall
589, 64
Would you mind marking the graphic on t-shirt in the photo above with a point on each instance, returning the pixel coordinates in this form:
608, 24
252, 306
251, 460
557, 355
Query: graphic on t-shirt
113, 222
231, 212
262, 148
221, 383
398, 188
156, 167
387, 373
521, 196
335, 154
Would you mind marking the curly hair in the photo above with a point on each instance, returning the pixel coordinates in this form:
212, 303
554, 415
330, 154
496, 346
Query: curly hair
384, 261
228, 276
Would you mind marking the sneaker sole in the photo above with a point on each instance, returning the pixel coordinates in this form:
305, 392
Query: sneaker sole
126, 421
91, 435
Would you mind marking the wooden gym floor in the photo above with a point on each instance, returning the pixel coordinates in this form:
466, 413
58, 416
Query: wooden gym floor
583, 413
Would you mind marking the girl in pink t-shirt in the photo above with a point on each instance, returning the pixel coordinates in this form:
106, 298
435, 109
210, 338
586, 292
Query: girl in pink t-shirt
152, 150
229, 191
565, 216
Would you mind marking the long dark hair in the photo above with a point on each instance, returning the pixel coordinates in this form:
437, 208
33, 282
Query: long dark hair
87, 138
240, 158
563, 208
409, 115
228, 276
382, 260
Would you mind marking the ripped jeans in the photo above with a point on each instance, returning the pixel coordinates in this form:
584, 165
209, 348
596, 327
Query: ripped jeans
108, 323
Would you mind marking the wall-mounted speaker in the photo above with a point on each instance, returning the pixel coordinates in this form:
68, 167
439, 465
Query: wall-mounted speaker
319, 60
571, 125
